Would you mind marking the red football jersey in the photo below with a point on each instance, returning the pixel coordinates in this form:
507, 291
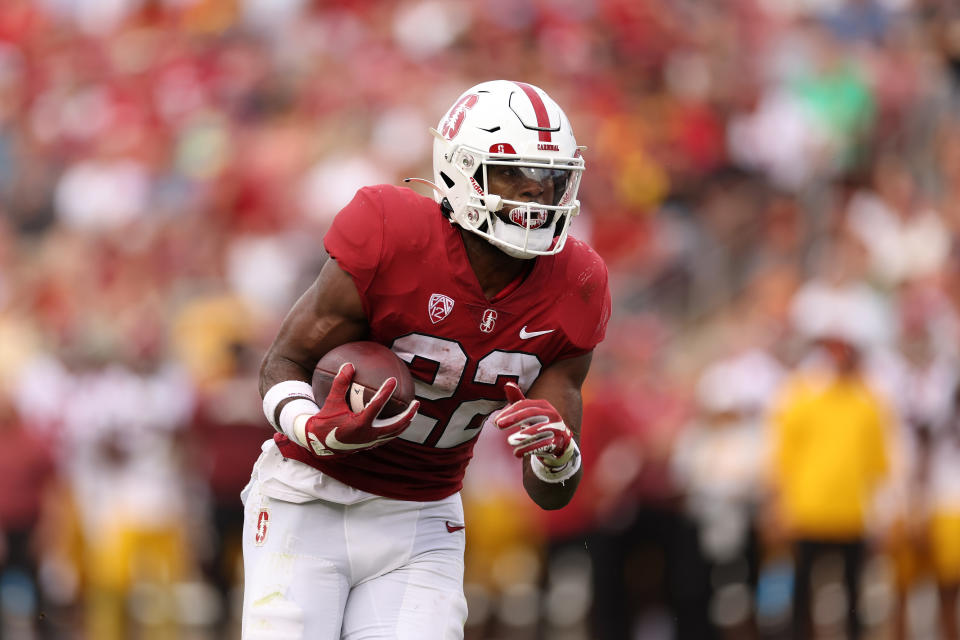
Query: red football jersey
423, 300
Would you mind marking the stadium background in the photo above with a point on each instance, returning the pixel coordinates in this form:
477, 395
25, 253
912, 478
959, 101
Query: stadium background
167, 171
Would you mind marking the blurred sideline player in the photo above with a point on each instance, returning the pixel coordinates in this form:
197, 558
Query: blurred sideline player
943, 532
354, 525
830, 455
924, 538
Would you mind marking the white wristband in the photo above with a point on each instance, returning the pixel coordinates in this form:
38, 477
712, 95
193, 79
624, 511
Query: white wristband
284, 391
289, 414
554, 475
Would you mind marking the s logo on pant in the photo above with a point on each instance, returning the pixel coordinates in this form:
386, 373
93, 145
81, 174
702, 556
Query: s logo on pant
263, 520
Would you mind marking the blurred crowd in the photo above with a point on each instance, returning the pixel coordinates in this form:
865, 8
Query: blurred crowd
771, 430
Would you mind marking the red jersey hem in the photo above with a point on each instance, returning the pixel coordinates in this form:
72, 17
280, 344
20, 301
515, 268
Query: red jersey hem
376, 486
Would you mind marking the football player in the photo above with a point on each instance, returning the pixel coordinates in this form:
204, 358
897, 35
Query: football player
353, 523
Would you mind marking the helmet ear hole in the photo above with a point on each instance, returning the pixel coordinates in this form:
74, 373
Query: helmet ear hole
446, 208
447, 180
478, 176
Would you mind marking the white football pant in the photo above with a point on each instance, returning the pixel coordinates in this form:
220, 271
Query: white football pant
378, 569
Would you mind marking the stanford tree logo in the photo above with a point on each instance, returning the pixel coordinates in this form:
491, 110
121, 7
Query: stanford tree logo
451, 124
489, 320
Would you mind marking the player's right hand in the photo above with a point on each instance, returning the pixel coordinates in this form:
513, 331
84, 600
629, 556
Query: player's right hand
337, 430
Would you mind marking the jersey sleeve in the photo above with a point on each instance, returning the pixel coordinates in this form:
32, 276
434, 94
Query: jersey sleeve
355, 239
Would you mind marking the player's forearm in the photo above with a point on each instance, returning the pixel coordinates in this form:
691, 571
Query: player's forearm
301, 342
276, 368
546, 495
328, 314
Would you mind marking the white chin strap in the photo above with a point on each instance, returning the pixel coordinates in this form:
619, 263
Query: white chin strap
516, 241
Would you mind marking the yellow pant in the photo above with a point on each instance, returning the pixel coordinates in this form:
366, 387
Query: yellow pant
127, 555
122, 558
935, 550
945, 547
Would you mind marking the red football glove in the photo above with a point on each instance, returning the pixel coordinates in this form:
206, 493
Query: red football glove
542, 431
337, 430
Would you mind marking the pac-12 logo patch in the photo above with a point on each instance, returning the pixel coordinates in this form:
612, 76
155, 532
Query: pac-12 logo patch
263, 521
489, 320
439, 307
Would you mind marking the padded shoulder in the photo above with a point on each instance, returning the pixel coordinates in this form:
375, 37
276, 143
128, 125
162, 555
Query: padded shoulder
380, 226
586, 294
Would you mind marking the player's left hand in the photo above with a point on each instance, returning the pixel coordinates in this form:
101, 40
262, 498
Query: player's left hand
542, 431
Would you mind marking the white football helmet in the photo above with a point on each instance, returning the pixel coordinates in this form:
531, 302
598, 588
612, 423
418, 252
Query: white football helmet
504, 123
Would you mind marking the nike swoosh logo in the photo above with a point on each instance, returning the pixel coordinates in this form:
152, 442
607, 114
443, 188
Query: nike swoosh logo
317, 446
333, 443
453, 528
526, 335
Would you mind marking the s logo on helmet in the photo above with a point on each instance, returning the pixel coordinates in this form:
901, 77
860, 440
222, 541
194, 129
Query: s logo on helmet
502, 148
454, 119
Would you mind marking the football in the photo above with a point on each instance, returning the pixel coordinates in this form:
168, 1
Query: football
373, 363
